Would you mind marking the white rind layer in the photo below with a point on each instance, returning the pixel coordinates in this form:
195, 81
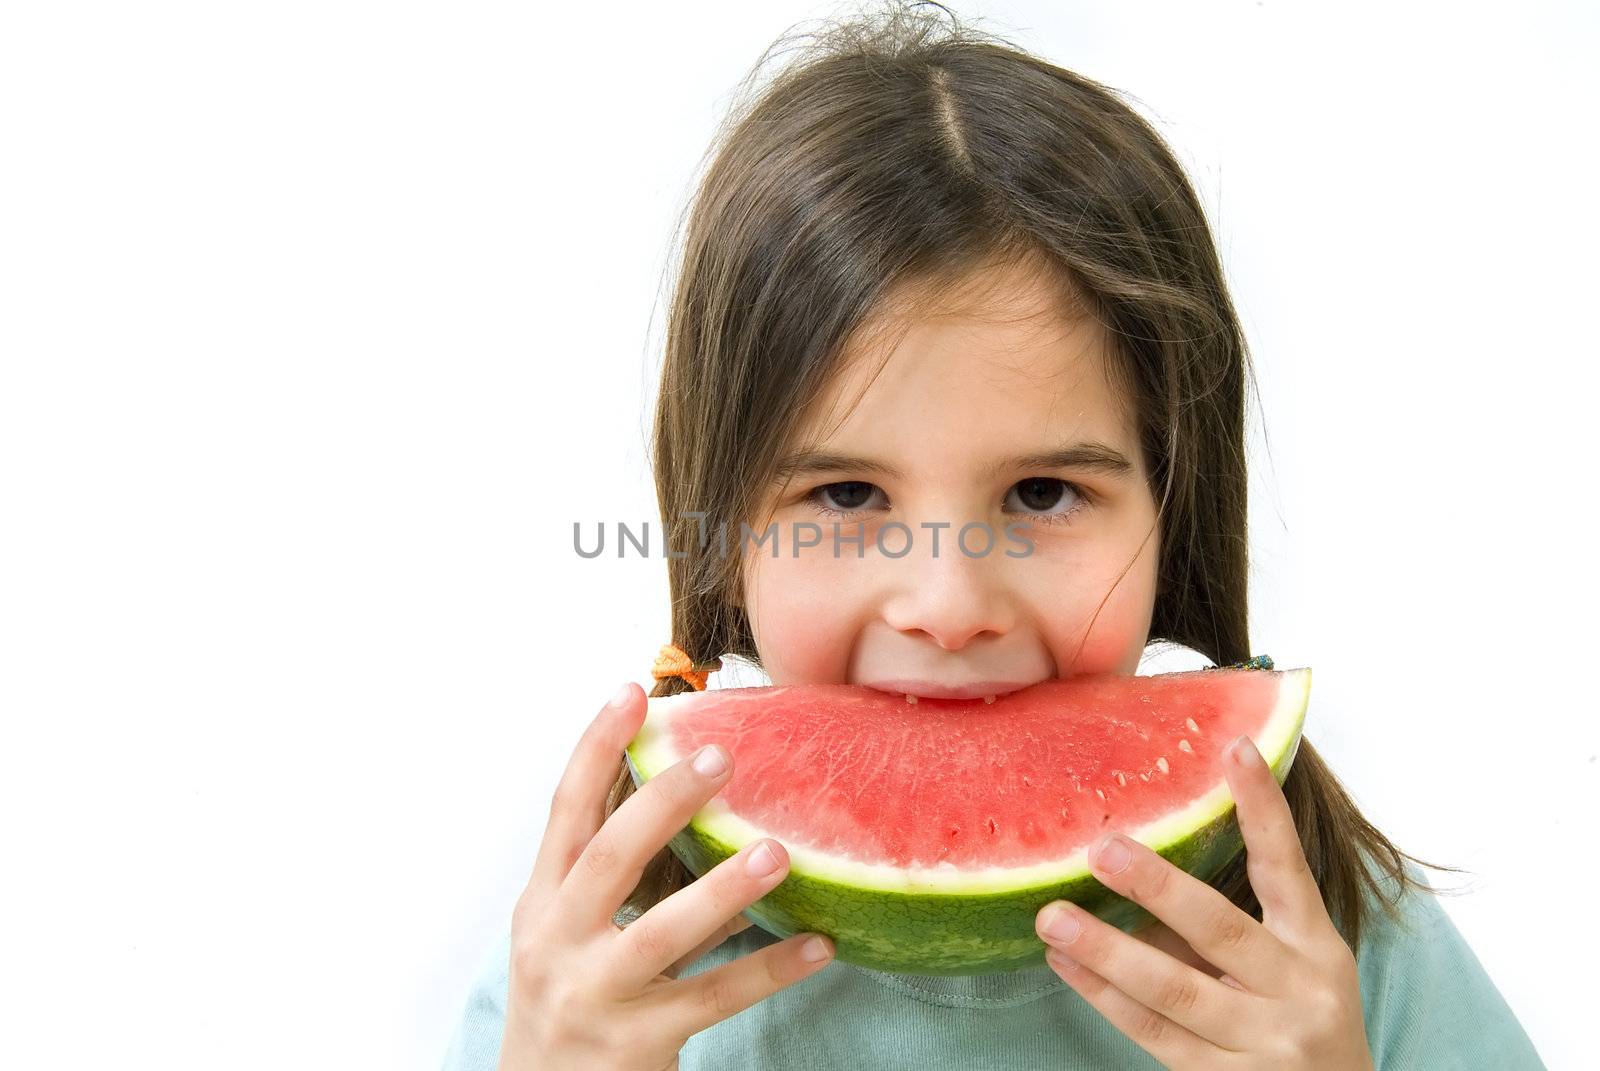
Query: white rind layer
651, 752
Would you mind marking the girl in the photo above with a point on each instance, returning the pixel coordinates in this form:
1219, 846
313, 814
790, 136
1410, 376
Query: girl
931, 279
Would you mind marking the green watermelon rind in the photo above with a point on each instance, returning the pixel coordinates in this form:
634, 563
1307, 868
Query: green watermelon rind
957, 923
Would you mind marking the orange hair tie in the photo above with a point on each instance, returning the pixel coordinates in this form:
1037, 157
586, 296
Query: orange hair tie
674, 661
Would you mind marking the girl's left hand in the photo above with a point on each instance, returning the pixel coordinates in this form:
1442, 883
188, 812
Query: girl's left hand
1290, 996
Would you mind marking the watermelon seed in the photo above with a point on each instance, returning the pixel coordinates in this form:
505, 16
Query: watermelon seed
1183, 745
1097, 792
1120, 779
1026, 781
988, 699
910, 698
1161, 764
1193, 728
1144, 777
993, 828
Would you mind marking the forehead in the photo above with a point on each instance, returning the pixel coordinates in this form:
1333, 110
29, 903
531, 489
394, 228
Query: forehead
1006, 358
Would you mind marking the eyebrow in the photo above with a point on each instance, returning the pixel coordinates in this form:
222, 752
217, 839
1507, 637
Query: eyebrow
1084, 456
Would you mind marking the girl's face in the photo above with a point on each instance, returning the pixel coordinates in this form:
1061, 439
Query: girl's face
954, 431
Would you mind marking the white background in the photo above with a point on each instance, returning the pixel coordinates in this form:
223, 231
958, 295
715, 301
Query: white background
322, 322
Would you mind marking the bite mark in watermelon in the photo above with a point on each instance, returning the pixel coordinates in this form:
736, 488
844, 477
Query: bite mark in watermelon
924, 835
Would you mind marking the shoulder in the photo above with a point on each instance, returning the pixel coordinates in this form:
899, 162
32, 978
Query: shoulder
475, 1044
1397, 913
1426, 998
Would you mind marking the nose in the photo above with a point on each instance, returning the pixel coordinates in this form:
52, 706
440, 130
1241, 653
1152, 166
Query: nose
952, 598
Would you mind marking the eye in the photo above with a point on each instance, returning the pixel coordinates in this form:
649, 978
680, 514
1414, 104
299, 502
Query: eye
847, 497
1044, 493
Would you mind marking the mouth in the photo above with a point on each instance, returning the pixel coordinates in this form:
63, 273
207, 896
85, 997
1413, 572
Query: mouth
920, 689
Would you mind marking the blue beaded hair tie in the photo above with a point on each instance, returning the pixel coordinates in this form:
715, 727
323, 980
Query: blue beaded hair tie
1260, 661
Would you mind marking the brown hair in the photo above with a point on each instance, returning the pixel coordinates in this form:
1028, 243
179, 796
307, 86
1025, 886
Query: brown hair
903, 150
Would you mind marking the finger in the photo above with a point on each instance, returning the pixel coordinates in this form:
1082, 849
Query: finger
738, 924
696, 912
1171, 1044
611, 864
693, 1004
1291, 903
1214, 926
1173, 990
578, 807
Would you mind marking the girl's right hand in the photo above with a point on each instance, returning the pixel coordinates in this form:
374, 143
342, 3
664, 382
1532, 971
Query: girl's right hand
586, 993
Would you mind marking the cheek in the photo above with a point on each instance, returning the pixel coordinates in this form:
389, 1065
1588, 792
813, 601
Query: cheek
802, 618
1116, 639
1091, 637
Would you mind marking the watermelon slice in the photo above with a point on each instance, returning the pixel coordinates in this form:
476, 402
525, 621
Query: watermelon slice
925, 834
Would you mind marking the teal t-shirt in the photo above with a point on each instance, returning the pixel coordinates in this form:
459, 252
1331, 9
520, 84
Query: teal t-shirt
1427, 1001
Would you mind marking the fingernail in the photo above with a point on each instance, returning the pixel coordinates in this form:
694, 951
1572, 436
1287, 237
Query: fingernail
708, 762
1061, 960
814, 950
1060, 924
1113, 855
762, 861
622, 694
1239, 751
